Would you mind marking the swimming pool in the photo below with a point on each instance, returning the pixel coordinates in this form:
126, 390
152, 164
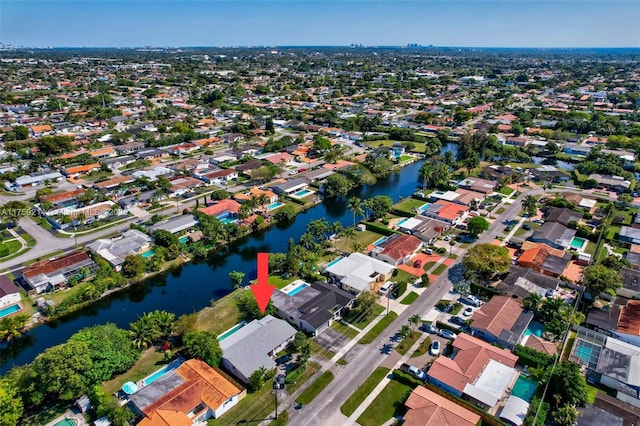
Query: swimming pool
8, 310
334, 261
423, 207
67, 422
183, 239
295, 287
227, 220
274, 206
379, 241
402, 221
232, 330
524, 388
302, 193
161, 372
578, 243
148, 254
536, 328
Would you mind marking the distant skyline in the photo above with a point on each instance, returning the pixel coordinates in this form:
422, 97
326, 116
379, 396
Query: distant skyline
463, 23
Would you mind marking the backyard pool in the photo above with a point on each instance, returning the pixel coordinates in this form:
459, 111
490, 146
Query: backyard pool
524, 388
536, 328
232, 330
183, 239
379, 241
274, 206
423, 207
578, 243
334, 261
403, 221
10, 310
67, 422
147, 254
295, 287
161, 372
227, 220
302, 193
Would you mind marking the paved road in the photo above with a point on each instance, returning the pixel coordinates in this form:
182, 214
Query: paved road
363, 359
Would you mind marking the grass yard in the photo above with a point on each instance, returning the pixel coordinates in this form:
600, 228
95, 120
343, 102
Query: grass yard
404, 276
406, 158
363, 237
253, 408
418, 146
310, 369
506, 191
280, 282
344, 329
320, 351
361, 323
353, 402
10, 247
378, 328
150, 361
440, 269
316, 387
408, 204
409, 298
220, 317
500, 210
44, 414
407, 342
428, 265
386, 405
423, 348
612, 232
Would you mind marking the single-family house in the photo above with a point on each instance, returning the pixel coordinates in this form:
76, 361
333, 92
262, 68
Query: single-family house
255, 345
175, 225
114, 182
446, 211
151, 154
280, 158
630, 283
521, 282
249, 166
50, 274
183, 148
425, 228
618, 368
501, 320
103, 153
396, 249
115, 163
289, 187
477, 371
613, 183
255, 192
544, 259
629, 234
153, 174
497, 172
139, 199
554, 234
223, 209
115, 250
220, 176
483, 186
427, 408
77, 171
34, 179
186, 396
9, 292
314, 308
183, 185
562, 215
572, 148
317, 175
231, 137
65, 199
549, 173
628, 327
40, 130
129, 148
358, 272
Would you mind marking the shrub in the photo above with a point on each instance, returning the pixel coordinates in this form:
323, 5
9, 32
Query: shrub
406, 379
399, 289
531, 357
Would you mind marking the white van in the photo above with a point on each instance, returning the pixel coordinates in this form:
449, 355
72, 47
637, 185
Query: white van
471, 300
385, 288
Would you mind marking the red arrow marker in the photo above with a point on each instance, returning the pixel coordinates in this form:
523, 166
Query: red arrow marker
262, 290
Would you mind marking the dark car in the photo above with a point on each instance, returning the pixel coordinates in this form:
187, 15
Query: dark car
526, 227
457, 321
417, 263
284, 359
278, 383
508, 228
447, 308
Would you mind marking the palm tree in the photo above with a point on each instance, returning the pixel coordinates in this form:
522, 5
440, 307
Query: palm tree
263, 200
356, 246
530, 205
348, 233
356, 208
244, 211
414, 320
141, 333
308, 241
405, 331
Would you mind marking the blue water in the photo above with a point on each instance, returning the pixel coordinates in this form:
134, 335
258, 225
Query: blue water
66, 422
379, 241
192, 286
147, 254
161, 372
524, 388
223, 216
9, 310
298, 289
536, 328
584, 353
423, 207
231, 330
227, 220
183, 239
403, 221
302, 193
274, 205
334, 261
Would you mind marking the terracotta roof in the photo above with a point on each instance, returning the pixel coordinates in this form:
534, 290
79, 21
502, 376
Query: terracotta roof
42, 128
220, 173
534, 254
629, 321
499, 313
202, 384
537, 343
220, 206
427, 408
400, 246
68, 195
278, 158
114, 181
81, 169
471, 357
102, 151
48, 266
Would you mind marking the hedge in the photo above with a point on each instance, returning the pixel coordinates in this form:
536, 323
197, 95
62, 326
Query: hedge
446, 326
295, 200
402, 213
484, 291
531, 357
379, 228
406, 379
399, 289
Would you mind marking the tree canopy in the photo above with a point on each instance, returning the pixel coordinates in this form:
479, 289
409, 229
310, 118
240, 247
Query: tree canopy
486, 260
477, 225
203, 345
598, 279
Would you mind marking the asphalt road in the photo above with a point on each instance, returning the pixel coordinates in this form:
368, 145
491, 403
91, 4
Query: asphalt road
363, 359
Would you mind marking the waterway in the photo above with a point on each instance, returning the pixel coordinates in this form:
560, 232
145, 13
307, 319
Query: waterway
192, 286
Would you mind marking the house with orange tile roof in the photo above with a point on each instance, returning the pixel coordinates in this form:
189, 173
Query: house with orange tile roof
544, 259
37, 131
76, 171
501, 320
222, 209
186, 396
539, 344
255, 192
103, 152
50, 274
220, 176
396, 249
446, 211
477, 370
62, 199
427, 408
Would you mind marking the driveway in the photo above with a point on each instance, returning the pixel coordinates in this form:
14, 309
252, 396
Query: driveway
331, 340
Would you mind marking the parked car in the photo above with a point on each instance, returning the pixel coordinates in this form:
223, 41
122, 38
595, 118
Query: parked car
435, 348
428, 251
457, 321
417, 373
385, 288
447, 308
471, 300
417, 263
508, 228
278, 383
526, 227
284, 359
468, 311
447, 334
429, 328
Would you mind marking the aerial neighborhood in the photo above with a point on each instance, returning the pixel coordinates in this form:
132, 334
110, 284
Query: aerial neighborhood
453, 237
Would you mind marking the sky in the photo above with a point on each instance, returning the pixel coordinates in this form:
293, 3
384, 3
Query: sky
468, 23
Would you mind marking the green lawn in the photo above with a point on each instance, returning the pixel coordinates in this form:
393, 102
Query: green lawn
429, 265
353, 402
506, 191
418, 146
612, 232
363, 322
409, 298
423, 348
404, 276
9, 247
378, 328
316, 387
363, 237
387, 404
407, 342
150, 361
405, 158
440, 269
252, 409
310, 369
500, 210
220, 317
344, 329
408, 204
280, 282
456, 308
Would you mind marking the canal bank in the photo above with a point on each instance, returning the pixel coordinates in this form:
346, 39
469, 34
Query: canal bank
190, 287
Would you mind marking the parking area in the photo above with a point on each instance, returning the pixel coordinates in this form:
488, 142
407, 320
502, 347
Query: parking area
331, 340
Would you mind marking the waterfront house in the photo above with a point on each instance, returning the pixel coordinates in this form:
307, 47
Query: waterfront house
222, 209
396, 249
255, 345
115, 250
425, 228
255, 192
313, 308
446, 211
475, 184
358, 272
9, 292
186, 396
289, 187
501, 321
427, 408
50, 274
612, 183
176, 224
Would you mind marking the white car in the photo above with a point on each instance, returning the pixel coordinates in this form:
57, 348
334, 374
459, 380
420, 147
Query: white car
468, 311
435, 348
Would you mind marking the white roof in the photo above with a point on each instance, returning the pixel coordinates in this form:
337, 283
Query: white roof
515, 410
410, 223
361, 266
492, 383
447, 195
587, 202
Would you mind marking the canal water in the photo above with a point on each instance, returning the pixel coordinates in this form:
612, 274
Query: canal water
192, 286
